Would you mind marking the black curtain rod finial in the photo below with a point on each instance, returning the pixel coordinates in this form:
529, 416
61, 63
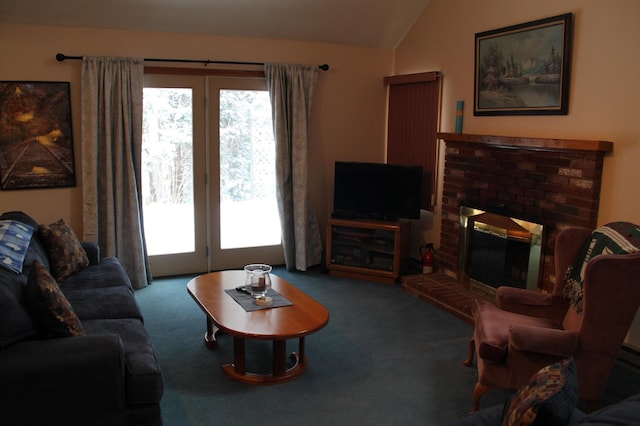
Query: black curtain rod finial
324, 67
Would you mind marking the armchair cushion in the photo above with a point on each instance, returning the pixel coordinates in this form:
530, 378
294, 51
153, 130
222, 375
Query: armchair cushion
548, 399
492, 329
66, 253
532, 303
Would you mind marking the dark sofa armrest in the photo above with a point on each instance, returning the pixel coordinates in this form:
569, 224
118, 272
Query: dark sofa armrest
73, 380
625, 412
492, 416
93, 252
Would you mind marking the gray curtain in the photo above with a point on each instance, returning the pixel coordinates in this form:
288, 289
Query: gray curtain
111, 148
291, 91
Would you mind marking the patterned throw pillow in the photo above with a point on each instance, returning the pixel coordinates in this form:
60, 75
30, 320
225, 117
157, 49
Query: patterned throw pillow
14, 242
65, 250
50, 306
548, 399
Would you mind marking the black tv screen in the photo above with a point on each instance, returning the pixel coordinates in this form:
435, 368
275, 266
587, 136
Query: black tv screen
376, 191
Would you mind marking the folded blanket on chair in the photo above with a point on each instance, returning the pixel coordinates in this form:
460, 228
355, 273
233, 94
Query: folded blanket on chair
612, 238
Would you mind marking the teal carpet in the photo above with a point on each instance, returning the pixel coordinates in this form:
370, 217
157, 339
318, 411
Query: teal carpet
385, 358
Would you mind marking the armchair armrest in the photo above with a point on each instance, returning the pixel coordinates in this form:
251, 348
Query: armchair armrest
93, 252
80, 379
531, 303
506, 296
547, 341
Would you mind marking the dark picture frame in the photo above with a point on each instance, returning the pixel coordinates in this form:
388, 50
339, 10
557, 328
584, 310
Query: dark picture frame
36, 135
524, 69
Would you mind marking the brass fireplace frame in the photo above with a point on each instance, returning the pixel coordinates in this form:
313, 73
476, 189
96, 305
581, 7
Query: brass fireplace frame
509, 227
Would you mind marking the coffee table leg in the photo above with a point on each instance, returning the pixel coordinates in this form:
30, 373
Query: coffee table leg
239, 365
279, 357
210, 335
301, 351
280, 373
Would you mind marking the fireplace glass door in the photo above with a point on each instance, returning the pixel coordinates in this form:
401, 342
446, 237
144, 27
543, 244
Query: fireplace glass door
498, 250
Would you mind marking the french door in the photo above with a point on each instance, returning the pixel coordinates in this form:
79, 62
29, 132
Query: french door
208, 174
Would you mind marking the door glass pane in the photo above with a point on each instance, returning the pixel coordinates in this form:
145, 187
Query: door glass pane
167, 170
248, 209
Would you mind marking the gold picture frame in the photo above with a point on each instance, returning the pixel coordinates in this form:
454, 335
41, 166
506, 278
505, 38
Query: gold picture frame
524, 69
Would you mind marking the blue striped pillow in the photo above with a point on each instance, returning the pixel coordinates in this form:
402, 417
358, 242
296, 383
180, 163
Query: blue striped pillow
14, 242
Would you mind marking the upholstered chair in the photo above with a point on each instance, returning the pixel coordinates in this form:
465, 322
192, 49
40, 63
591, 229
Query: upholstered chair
524, 331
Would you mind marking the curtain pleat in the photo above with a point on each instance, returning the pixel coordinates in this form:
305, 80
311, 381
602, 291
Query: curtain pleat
291, 91
111, 165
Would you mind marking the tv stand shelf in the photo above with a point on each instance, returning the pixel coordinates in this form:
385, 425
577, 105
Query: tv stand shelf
367, 249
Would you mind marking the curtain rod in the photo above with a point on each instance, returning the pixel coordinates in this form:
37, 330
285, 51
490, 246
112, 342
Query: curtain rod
60, 57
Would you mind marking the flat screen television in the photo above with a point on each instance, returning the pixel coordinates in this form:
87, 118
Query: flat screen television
376, 191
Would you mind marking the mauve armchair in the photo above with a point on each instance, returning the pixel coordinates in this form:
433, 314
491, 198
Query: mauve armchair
525, 331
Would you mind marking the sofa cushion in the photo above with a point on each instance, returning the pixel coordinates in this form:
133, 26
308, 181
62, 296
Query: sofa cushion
108, 273
51, 308
104, 302
625, 412
548, 399
143, 377
66, 253
14, 241
15, 322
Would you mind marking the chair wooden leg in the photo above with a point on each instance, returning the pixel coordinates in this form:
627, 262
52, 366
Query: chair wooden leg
472, 349
478, 391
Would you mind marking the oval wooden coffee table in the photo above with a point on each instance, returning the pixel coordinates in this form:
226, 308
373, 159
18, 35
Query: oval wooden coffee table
303, 317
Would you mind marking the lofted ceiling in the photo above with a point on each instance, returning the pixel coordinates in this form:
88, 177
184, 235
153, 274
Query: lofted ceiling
368, 23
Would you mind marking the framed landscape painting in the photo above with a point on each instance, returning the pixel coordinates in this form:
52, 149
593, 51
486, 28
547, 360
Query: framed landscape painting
36, 137
524, 69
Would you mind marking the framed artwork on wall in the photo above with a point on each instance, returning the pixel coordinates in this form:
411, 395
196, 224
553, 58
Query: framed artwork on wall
36, 135
524, 69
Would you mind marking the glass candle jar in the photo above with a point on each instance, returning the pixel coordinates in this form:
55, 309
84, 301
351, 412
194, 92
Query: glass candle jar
258, 280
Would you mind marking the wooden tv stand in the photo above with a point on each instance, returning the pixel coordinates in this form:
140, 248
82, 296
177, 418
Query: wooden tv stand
368, 249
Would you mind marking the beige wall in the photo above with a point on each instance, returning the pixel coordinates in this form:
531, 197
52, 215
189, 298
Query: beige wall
604, 88
348, 120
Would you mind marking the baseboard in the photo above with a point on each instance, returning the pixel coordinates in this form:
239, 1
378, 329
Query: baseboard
413, 266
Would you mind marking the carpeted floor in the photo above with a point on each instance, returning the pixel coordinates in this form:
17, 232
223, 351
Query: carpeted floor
385, 358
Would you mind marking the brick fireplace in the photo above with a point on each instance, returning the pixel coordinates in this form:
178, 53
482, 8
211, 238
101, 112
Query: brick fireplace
555, 182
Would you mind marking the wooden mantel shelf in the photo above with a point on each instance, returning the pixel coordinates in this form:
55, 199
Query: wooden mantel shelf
536, 144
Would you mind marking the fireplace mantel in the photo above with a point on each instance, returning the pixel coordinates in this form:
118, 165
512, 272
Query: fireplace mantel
529, 143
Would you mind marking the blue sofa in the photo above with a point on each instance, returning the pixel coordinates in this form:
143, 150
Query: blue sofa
109, 375
625, 412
